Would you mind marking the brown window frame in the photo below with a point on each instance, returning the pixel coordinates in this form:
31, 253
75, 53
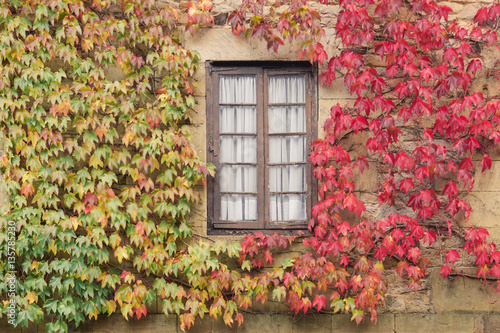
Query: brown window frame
262, 70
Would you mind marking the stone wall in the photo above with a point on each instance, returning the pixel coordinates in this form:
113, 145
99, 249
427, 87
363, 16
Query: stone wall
279, 323
456, 304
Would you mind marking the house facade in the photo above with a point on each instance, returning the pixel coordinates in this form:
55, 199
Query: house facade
284, 109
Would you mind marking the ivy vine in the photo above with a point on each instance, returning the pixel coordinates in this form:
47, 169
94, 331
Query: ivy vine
101, 174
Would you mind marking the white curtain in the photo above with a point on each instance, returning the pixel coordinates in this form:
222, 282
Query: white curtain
287, 148
238, 119
237, 89
287, 119
236, 149
238, 153
287, 89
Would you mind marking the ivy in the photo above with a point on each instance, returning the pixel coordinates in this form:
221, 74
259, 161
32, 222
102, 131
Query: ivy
418, 119
100, 172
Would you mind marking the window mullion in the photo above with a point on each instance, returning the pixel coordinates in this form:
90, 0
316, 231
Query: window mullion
265, 143
260, 150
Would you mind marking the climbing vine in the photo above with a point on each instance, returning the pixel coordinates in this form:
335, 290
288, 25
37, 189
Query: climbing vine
100, 172
422, 119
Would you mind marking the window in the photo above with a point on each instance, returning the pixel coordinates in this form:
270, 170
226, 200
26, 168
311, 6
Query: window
261, 120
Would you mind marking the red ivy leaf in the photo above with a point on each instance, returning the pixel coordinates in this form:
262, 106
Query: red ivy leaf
485, 163
451, 189
474, 66
452, 256
319, 302
481, 16
445, 270
406, 184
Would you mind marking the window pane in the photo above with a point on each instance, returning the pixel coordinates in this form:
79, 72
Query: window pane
238, 178
287, 89
237, 89
290, 148
238, 149
288, 207
287, 178
284, 119
238, 119
234, 207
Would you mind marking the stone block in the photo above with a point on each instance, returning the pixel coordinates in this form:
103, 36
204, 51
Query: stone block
42, 328
418, 302
491, 323
455, 7
331, 43
489, 180
222, 44
343, 324
312, 323
198, 114
200, 78
394, 303
199, 139
494, 234
197, 218
114, 73
5, 327
435, 323
337, 90
461, 294
492, 82
366, 181
152, 323
373, 60
225, 5
271, 305
32, 328
485, 209
468, 12
257, 323
200, 326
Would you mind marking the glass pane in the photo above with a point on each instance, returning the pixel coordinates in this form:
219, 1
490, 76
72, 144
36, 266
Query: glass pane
288, 207
238, 149
290, 148
238, 119
287, 178
238, 178
287, 89
235, 207
284, 119
237, 89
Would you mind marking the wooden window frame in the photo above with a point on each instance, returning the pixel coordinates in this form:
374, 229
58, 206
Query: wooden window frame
261, 70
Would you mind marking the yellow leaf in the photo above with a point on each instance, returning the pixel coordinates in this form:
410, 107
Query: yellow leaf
32, 297
111, 307
53, 247
93, 313
127, 138
34, 265
95, 162
74, 222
